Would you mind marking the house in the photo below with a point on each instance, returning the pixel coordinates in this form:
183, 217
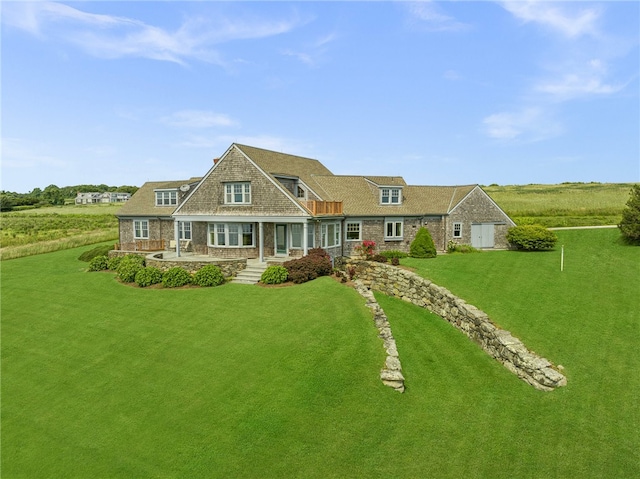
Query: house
256, 203
106, 197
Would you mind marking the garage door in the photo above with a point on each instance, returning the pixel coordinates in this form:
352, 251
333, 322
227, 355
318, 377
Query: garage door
482, 235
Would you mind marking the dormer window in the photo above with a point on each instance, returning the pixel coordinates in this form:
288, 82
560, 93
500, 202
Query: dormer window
390, 196
237, 193
166, 198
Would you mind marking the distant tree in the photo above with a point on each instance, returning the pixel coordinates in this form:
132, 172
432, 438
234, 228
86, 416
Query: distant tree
422, 246
6, 202
630, 223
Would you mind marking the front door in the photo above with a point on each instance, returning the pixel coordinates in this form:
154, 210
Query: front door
281, 240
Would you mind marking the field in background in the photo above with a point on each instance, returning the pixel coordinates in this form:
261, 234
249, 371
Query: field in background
100, 379
567, 204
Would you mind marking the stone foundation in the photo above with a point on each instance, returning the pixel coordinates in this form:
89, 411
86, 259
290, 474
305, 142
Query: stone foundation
498, 343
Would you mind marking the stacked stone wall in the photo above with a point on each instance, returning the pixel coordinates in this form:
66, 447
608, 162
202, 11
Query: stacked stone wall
498, 343
229, 267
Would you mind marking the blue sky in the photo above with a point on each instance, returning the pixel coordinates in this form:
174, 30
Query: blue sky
442, 93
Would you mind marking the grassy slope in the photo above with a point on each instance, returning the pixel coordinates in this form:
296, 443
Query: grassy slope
104, 380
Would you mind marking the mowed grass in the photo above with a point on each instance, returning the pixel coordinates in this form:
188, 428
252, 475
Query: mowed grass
567, 204
105, 380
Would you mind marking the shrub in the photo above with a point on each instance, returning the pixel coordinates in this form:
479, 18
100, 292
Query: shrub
531, 237
630, 224
274, 275
148, 276
379, 258
98, 263
101, 250
394, 254
366, 249
423, 246
175, 277
453, 247
113, 263
209, 275
395, 261
316, 263
129, 267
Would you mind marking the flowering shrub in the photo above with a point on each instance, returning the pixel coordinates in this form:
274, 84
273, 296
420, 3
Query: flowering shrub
366, 249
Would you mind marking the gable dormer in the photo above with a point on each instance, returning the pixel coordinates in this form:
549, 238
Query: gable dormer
389, 189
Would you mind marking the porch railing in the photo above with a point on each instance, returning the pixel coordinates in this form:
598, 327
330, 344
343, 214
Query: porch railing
324, 207
141, 245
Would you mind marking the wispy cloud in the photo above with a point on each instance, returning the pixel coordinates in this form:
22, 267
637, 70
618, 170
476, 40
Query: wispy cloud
431, 16
198, 119
564, 18
528, 125
18, 153
314, 53
109, 36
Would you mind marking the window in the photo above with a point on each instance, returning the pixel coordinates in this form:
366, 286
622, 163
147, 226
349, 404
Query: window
232, 235
166, 198
237, 193
184, 230
390, 196
141, 229
393, 229
330, 235
457, 230
301, 193
353, 231
296, 235
310, 235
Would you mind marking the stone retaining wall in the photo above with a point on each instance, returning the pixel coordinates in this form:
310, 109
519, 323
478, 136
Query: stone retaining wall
229, 267
498, 343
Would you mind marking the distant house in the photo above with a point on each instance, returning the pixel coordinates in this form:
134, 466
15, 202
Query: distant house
106, 197
256, 203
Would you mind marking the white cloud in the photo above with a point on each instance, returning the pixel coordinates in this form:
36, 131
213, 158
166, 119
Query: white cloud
17, 153
527, 124
198, 119
313, 54
574, 23
430, 16
109, 36
588, 79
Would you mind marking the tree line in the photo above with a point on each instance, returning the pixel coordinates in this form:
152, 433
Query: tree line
54, 195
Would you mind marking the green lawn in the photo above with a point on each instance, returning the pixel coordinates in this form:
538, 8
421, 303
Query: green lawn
105, 380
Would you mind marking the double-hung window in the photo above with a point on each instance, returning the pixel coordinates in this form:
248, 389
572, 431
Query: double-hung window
330, 235
390, 196
354, 230
232, 235
393, 229
166, 198
296, 235
184, 230
141, 229
457, 230
237, 193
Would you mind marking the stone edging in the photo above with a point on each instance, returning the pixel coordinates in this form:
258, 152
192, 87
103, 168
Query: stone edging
391, 374
498, 343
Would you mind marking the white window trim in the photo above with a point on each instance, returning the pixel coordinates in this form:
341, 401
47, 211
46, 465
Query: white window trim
324, 232
390, 195
229, 193
135, 230
394, 221
346, 230
182, 230
459, 231
172, 197
213, 227
291, 226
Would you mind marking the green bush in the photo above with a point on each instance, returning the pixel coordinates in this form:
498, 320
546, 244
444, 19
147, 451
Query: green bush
423, 246
531, 237
210, 275
394, 254
630, 224
129, 267
98, 263
148, 276
274, 275
101, 250
453, 247
113, 263
176, 277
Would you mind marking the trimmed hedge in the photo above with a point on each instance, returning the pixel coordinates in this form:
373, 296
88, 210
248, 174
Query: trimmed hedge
148, 276
101, 250
531, 237
175, 277
274, 274
390, 254
422, 246
209, 275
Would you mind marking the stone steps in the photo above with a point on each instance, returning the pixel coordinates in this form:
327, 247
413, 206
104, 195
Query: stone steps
253, 272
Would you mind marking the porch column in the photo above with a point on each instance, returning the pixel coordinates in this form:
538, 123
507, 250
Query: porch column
261, 240
176, 236
305, 238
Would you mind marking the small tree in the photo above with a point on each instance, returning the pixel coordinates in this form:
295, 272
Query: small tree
630, 223
423, 246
